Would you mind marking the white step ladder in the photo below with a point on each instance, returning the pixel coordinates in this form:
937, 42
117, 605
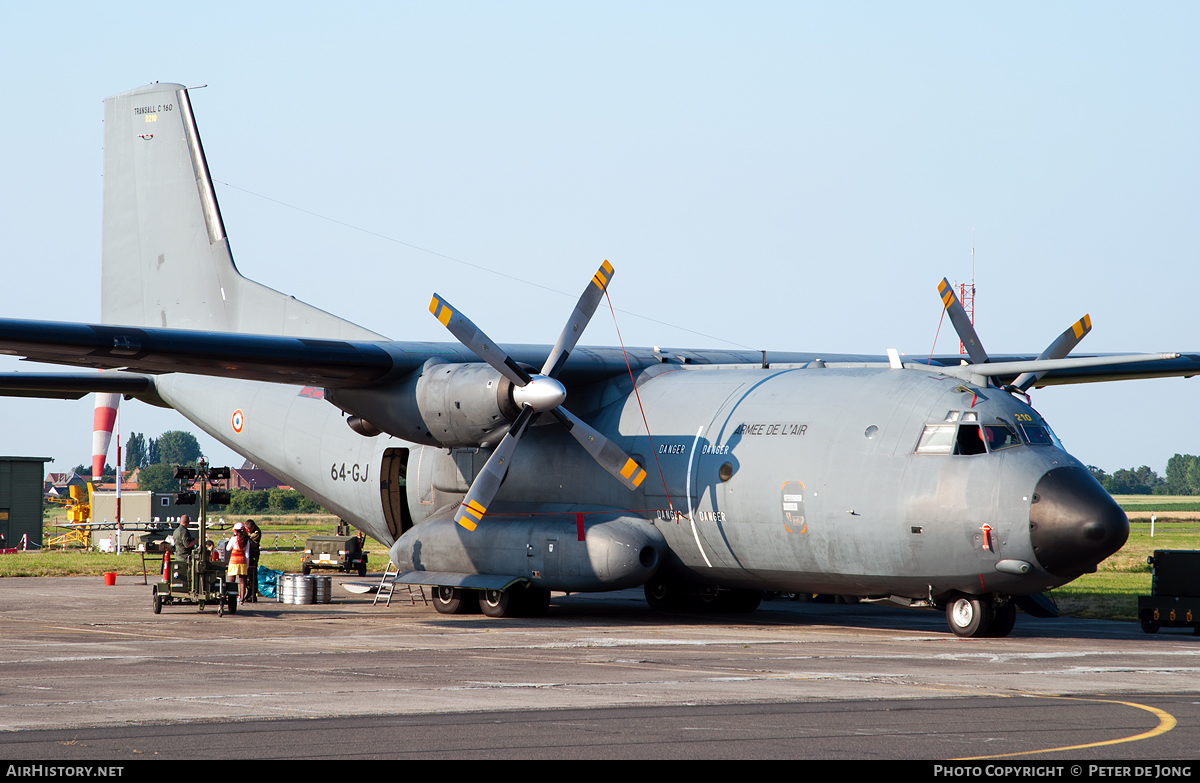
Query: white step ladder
389, 586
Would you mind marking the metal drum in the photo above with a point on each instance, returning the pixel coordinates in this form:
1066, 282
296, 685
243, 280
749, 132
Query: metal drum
323, 589
295, 589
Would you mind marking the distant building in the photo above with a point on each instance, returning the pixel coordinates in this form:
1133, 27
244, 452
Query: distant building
138, 510
21, 500
57, 483
250, 476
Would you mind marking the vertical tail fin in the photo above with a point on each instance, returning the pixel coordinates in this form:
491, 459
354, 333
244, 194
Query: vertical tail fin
165, 253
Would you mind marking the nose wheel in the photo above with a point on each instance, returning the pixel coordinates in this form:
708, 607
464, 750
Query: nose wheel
978, 616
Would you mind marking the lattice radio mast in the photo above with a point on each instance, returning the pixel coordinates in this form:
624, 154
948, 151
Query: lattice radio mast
966, 294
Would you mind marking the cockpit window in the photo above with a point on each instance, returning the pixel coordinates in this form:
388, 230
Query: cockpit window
1037, 436
951, 439
937, 439
969, 440
1000, 436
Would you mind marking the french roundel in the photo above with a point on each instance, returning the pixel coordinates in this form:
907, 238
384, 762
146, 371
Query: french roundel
237, 420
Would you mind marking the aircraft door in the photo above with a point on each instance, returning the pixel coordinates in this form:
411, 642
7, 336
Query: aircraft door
393, 480
550, 558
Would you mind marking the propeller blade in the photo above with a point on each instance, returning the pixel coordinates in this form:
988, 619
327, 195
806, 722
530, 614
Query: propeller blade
580, 316
487, 483
473, 337
1057, 350
962, 324
608, 454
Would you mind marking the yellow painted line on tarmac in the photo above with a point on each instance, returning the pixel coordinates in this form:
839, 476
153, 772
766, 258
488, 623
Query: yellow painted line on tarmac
1166, 722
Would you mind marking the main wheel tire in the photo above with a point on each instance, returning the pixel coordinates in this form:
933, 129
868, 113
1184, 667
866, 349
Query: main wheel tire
739, 601
232, 603
453, 600
306, 569
1003, 622
535, 602
663, 596
706, 599
157, 603
1149, 624
362, 568
498, 603
970, 616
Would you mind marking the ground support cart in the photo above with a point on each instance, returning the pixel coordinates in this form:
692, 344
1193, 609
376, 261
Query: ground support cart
340, 553
195, 580
1174, 601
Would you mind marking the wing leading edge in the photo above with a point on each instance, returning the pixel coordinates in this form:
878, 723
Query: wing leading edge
335, 363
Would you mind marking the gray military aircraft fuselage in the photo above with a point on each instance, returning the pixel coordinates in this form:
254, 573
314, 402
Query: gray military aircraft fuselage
497, 474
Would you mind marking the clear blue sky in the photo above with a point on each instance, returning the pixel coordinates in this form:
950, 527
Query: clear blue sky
779, 175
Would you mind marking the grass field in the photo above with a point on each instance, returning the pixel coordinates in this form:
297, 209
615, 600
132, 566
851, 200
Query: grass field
1158, 503
1110, 593
283, 533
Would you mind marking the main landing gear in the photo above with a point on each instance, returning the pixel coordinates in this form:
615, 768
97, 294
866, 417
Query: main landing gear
980, 616
667, 596
516, 601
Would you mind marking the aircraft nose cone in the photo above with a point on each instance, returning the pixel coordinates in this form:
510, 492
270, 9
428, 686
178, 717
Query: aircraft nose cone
1074, 523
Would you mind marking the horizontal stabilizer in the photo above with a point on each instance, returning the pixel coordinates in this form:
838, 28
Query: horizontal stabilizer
71, 386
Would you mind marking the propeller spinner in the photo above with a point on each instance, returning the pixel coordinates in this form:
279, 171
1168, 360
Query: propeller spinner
541, 393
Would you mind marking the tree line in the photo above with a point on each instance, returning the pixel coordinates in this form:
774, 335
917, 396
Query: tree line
1182, 478
174, 447
157, 459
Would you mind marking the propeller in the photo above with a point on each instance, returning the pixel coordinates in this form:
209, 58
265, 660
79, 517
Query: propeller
1056, 350
970, 340
962, 324
540, 393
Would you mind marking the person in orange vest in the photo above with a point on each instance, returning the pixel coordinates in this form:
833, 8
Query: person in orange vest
239, 559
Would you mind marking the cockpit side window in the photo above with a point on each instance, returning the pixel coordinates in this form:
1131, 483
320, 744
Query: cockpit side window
969, 440
937, 439
951, 439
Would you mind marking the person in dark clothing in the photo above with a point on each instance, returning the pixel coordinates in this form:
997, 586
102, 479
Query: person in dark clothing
255, 536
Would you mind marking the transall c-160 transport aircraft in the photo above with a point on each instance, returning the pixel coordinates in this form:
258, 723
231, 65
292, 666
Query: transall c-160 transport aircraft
497, 474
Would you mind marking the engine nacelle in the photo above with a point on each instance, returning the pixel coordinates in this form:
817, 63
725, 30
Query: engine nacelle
444, 404
465, 405
617, 552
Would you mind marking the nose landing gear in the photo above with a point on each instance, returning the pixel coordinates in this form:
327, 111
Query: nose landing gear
980, 616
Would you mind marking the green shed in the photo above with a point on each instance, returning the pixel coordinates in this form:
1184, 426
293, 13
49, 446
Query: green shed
21, 484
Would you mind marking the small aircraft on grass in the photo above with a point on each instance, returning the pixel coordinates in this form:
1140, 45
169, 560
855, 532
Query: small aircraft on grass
499, 473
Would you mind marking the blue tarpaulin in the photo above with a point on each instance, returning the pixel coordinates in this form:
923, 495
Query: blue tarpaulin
267, 579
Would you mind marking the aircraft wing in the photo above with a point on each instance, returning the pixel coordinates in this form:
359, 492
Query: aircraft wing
1183, 365
300, 360
305, 361
311, 361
